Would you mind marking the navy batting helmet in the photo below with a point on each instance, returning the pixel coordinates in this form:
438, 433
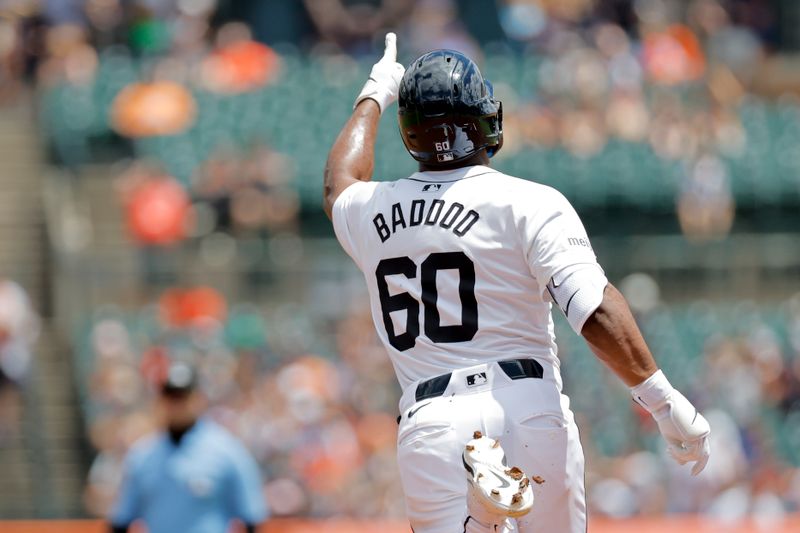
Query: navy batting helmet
447, 110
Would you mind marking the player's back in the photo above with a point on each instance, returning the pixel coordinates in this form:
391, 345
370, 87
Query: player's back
456, 263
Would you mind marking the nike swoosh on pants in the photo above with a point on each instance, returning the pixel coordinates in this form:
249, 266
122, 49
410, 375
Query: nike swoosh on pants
412, 412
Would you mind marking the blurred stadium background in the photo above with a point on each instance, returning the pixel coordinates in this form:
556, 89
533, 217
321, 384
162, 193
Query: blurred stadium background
160, 180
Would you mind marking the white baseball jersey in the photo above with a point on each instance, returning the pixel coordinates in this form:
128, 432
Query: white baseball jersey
457, 264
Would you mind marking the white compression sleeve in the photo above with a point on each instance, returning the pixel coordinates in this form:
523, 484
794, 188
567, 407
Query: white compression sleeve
578, 291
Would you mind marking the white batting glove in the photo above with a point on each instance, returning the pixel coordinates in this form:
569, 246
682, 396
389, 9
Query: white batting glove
384, 79
682, 426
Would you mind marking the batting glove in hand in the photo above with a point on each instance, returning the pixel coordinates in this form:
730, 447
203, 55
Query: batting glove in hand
682, 426
384, 79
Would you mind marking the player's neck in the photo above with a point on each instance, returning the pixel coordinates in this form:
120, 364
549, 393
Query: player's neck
480, 158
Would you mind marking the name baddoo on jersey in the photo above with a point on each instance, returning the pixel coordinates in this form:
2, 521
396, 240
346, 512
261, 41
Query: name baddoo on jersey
428, 213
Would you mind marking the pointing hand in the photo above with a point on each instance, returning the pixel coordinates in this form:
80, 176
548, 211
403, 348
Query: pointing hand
384, 79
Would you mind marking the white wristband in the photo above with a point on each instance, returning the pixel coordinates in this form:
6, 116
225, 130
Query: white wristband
653, 393
374, 91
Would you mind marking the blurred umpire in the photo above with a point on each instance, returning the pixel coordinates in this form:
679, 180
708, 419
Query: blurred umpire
192, 477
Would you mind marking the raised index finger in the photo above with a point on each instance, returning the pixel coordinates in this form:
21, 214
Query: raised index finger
390, 52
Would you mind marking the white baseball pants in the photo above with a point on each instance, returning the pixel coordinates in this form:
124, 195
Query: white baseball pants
536, 428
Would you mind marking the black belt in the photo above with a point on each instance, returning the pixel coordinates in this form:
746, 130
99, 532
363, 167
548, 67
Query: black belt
514, 368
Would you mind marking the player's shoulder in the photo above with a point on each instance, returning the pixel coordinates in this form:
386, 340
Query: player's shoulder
526, 184
518, 190
358, 189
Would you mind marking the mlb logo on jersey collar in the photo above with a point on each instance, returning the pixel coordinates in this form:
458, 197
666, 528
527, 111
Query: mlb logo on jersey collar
476, 379
431, 187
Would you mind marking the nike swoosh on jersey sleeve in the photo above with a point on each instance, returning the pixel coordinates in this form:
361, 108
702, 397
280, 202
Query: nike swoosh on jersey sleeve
566, 309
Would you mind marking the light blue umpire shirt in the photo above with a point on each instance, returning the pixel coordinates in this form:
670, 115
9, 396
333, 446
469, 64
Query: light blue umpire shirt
196, 486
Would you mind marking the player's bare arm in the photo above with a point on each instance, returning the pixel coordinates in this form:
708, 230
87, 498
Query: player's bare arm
614, 337
352, 156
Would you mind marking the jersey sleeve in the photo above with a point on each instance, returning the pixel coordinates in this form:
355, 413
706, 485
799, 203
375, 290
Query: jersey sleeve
555, 240
246, 493
348, 212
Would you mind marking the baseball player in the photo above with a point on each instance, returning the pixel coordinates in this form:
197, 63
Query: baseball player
463, 264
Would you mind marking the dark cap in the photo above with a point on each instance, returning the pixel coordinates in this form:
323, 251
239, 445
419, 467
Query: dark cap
181, 379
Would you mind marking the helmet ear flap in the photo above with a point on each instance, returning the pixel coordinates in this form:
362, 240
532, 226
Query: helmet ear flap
498, 127
500, 118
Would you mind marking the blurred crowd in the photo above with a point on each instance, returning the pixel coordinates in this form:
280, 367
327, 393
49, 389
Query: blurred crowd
234, 192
